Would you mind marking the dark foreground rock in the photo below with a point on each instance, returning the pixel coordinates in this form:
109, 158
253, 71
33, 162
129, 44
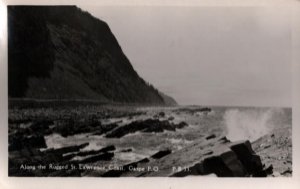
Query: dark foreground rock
57, 162
204, 158
67, 149
161, 154
68, 127
19, 141
210, 137
148, 125
223, 163
244, 152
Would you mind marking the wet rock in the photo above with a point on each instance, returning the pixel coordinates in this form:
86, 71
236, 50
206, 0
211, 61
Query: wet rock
192, 111
171, 118
26, 155
205, 109
35, 141
157, 129
67, 149
209, 157
18, 141
209, 152
224, 140
224, 164
108, 148
60, 157
41, 125
247, 156
31, 157
181, 125
105, 128
68, 157
269, 170
156, 116
148, 125
161, 154
161, 114
101, 157
145, 160
210, 137
92, 152
69, 127
126, 150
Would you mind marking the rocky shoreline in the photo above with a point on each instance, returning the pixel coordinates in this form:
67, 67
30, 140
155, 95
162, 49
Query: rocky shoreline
212, 154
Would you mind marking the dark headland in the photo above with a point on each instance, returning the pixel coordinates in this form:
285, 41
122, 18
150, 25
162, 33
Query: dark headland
62, 52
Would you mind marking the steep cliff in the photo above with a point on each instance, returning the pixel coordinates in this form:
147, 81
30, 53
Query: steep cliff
62, 52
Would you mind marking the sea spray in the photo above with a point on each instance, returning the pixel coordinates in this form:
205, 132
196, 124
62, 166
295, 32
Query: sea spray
248, 124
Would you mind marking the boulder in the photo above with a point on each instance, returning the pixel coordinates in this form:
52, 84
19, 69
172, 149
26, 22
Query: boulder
224, 164
161, 114
207, 157
247, 156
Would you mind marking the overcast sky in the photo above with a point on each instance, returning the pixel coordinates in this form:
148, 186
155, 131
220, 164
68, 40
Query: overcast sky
207, 55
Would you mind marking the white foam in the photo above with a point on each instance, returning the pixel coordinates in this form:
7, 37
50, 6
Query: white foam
247, 124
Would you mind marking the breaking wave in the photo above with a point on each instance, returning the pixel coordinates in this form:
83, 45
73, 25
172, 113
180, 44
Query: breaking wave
249, 124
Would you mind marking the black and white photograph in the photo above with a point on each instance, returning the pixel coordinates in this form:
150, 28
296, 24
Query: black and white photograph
149, 91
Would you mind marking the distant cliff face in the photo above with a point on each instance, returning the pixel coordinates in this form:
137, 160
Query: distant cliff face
61, 52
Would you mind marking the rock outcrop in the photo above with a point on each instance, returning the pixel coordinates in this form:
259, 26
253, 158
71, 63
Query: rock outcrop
223, 160
57, 162
148, 125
